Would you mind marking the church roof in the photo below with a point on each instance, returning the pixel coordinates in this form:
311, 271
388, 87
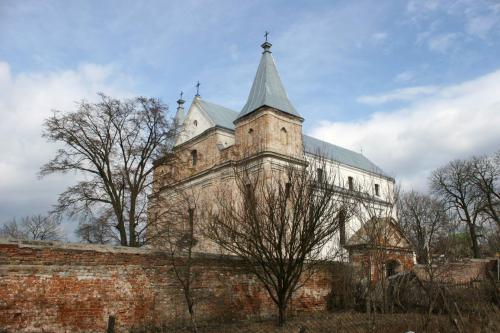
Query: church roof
221, 116
224, 117
267, 88
342, 155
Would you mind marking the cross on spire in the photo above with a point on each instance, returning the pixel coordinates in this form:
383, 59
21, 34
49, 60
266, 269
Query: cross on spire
180, 101
198, 89
266, 45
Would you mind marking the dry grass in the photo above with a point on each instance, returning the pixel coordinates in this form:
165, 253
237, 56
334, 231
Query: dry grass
353, 322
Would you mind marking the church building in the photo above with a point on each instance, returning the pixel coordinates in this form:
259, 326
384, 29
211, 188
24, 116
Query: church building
268, 129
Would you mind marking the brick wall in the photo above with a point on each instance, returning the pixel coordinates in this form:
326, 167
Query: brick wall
53, 287
463, 272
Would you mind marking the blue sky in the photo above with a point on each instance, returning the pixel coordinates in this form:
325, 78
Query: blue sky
412, 83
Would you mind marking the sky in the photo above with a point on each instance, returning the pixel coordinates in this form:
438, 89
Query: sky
411, 84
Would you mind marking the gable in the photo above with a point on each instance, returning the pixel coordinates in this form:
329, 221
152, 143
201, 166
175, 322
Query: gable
196, 122
379, 232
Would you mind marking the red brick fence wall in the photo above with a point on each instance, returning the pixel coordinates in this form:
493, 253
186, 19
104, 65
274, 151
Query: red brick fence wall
53, 287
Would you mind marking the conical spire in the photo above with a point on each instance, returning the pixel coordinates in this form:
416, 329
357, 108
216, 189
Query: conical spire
267, 88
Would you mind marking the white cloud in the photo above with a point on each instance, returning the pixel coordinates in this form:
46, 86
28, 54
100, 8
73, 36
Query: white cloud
402, 94
26, 99
405, 76
442, 43
481, 25
379, 36
452, 122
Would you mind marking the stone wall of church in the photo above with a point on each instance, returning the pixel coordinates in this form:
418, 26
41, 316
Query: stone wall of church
269, 130
53, 287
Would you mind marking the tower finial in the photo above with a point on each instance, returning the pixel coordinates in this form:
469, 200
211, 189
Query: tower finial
198, 89
179, 115
266, 45
180, 101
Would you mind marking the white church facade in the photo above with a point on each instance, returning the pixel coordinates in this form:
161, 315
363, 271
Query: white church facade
269, 129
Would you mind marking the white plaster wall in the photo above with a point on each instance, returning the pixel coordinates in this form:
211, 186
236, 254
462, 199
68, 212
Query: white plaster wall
365, 182
189, 130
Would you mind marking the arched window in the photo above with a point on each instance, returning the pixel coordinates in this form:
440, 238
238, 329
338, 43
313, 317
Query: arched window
284, 136
350, 183
392, 267
251, 139
194, 157
195, 123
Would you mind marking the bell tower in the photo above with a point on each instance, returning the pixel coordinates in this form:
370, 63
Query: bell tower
269, 122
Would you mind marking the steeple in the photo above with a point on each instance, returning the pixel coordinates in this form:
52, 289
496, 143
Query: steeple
267, 89
179, 115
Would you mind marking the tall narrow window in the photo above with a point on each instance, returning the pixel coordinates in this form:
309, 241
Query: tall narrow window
319, 175
342, 220
288, 188
284, 136
377, 190
194, 157
248, 191
251, 140
350, 183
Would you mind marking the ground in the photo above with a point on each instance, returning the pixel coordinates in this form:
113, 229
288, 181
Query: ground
348, 322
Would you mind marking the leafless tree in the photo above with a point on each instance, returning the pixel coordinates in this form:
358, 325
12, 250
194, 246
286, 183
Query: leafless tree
36, 227
423, 219
278, 219
175, 233
112, 144
97, 229
12, 229
486, 177
454, 185
376, 240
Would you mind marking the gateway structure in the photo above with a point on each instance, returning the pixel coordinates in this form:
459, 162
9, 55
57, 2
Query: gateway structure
267, 130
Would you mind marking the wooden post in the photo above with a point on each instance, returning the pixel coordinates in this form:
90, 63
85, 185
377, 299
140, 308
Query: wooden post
111, 324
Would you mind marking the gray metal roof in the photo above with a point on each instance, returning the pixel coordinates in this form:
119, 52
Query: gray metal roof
221, 116
224, 117
267, 88
339, 154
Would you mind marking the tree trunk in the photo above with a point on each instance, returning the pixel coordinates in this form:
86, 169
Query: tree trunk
121, 229
281, 313
475, 245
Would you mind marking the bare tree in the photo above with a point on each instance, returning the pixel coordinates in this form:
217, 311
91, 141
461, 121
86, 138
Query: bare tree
377, 241
97, 229
112, 143
423, 219
454, 185
278, 220
486, 177
175, 233
36, 227
12, 229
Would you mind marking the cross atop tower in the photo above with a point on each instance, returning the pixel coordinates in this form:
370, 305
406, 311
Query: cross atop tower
198, 89
266, 45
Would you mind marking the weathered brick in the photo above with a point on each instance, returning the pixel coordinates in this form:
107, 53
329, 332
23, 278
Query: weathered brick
74, 288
